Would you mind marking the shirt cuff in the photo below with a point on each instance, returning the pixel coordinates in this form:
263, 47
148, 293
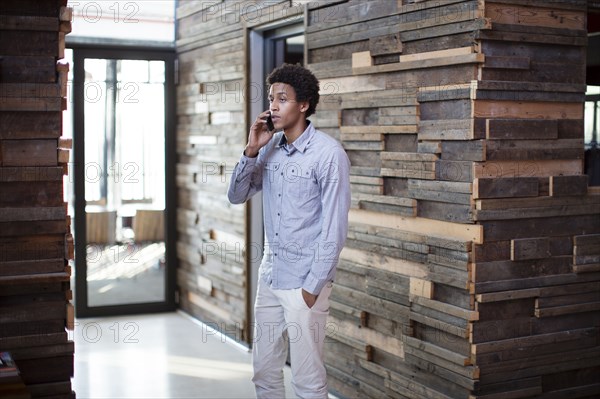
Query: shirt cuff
313, 285
242, 164
247, 160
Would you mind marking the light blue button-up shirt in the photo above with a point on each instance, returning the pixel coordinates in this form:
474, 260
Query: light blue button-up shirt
306, 199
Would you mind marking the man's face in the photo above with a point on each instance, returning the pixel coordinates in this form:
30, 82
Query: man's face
286, 111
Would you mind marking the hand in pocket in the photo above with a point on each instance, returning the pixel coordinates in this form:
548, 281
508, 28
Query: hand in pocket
309, 298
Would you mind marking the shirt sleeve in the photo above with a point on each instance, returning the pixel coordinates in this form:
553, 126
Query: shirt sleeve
334, 178
246, 180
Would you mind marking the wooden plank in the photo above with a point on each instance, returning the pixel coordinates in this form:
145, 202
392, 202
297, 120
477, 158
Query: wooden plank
421, 288
518, 37
33, 279
508, 295
28, 228
29, 125
400, 129
404, 267
534, 16
455, 171
568, 185
539, 202
419, 226
533, 150
432, 62
525, 283
521, 129
28, 69
451, 110
534, 212
505, 187
369, 336
30, 104
445, 92
543, 168
397, 115
31, 43
586, 253
579, 5
30, 214
35, 193
362, 59
426, 348
29, 153
464, 51
443, 186
464, 151
526, 110
401, 143
429, 147
385, 45
455, 311
553, 301
503, 62
588, 268
438, 196
569, 289
65, 14
402, 156
411, 171
458, 213
493, 85
27, 267
529, 248
587, 240
555, 226
568, 309
457, 129
533, 340
24, 90
30, 173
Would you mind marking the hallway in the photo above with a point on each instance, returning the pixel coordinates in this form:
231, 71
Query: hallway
168, 355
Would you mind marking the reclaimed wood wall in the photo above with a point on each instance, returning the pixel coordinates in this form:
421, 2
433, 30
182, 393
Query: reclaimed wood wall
210, 127
35, 241
471, 269
472, 263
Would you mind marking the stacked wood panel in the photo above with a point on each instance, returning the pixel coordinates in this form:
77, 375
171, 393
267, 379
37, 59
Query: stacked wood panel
536, 276
471, 268
35, 240
210, 125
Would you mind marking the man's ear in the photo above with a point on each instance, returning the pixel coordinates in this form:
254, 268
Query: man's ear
304, 106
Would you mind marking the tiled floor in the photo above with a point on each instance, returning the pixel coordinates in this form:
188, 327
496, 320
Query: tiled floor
167, 355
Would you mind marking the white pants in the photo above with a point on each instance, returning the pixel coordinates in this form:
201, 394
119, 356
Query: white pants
282, 314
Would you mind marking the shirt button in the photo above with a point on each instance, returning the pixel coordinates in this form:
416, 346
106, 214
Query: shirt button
279, 195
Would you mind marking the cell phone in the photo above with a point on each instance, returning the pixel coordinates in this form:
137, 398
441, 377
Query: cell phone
270, 124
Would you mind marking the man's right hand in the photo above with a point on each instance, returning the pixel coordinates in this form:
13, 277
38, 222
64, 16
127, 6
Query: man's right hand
259, 135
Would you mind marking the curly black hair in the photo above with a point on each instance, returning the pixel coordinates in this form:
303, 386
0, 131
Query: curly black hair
303, 81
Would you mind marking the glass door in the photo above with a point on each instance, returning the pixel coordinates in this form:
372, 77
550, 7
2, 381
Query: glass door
123, 144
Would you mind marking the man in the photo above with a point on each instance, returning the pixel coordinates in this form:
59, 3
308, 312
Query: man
304, 176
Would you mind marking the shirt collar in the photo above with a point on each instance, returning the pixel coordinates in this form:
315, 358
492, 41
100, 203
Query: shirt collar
302, 141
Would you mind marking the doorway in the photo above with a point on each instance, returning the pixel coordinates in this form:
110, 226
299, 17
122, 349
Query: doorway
123, 124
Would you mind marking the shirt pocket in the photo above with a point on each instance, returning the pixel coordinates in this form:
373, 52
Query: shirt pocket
270, 174
304, 185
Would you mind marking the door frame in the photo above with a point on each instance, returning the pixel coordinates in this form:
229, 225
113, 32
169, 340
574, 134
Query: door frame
80, 53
